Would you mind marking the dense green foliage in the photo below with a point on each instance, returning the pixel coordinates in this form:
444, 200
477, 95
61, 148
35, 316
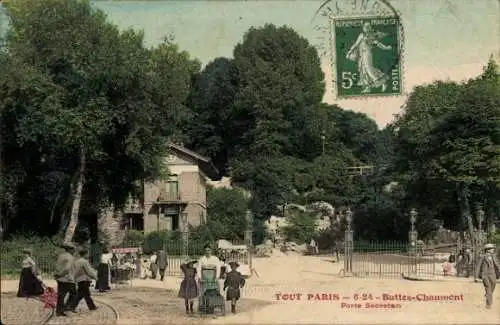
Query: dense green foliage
301, 228
104, 102
91, 105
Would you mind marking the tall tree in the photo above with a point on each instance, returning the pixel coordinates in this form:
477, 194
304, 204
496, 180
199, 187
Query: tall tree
114, 106
448, 145
212, 131
279, 75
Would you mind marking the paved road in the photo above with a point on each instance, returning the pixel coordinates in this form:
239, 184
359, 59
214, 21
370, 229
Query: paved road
309, 275
104, 315
22, 311
31, 311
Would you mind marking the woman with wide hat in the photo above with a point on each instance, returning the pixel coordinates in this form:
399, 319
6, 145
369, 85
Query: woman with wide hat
29, 284
189, 289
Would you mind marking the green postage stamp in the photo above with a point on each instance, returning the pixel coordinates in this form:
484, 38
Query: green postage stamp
367, 56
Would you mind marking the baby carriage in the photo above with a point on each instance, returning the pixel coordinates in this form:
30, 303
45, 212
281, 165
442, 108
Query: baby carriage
210, 298
49, 297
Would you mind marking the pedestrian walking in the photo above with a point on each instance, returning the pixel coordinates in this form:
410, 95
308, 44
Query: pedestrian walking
153, 267
162, 262
84, 274
104, 271
233, 282
314, 247
65, 278
189, 289
488, 271
29, 284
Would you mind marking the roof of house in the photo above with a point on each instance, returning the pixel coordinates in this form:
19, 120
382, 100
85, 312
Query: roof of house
203, 162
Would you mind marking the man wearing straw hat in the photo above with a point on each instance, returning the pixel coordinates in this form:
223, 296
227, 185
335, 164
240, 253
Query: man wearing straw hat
65, 277
489, 271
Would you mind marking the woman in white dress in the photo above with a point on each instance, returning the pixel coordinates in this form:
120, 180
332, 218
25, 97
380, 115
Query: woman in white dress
362, 52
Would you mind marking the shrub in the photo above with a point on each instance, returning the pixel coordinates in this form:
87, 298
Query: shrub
44, 253
173, 242
134, 238
301, 228
327, 239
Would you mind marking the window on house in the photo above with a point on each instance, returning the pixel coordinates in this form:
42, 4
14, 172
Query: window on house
173, 184
133, 221
173, 213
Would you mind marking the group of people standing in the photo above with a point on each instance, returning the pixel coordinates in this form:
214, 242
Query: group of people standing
487, 269
73, 275
194, 285
158, 263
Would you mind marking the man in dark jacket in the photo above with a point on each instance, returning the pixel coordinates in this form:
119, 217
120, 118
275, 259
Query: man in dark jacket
84, 274
233, 282
162, 262
488, 270
65, 277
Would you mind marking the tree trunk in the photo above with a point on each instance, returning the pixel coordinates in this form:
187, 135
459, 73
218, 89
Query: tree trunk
77, 198
463, 200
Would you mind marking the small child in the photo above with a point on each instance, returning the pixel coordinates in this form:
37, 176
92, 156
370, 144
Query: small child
233, 282
189, 289
449, 266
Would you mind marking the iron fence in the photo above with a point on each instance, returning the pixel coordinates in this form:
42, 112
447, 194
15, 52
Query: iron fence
392, 259
177, 252
45, 254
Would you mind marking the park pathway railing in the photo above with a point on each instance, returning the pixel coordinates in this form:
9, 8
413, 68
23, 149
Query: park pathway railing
392, 259
177, 253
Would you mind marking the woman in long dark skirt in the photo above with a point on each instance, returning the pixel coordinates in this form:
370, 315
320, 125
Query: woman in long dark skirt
103, 272
29, 284
189, 289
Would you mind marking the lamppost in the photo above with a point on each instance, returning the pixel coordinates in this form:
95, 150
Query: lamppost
480, 220
412, 238
248, 235
413, 234
480, 235
185, 235
249, 228
348, 249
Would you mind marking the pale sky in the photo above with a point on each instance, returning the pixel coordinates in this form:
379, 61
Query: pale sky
444, 39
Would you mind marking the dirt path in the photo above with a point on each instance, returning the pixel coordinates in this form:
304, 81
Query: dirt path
159, 306
314, 278
16, 310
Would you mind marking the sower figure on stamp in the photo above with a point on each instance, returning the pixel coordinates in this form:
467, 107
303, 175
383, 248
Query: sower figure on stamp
489, 271
233, 282
362, 52
65, 277
84, 274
